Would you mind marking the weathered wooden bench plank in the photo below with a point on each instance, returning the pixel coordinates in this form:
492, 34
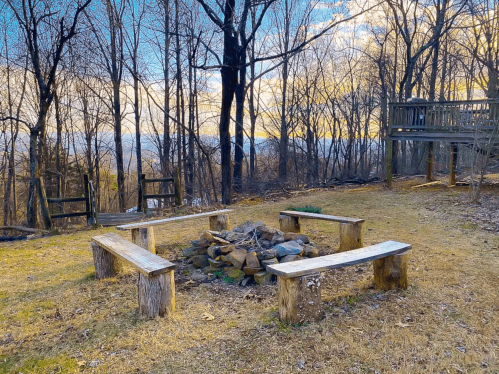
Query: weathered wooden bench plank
299, 282
143, 232
158, 222
148, 263
156, 284
338, 260
324, 217
351, 236
113, 219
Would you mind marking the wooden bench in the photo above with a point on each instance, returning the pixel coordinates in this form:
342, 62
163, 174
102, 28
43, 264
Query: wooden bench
143, 232
156, 285
350, 228
299, 283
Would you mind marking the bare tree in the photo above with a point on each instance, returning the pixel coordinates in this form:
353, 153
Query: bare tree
110, 41
483, 43
132, 42
36, 18
233, 72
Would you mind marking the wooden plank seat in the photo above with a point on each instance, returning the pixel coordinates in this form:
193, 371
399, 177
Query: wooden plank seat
156, 285
351, 236
143, 232
299, 283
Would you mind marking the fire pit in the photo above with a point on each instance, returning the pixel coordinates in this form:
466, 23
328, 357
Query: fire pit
243, 254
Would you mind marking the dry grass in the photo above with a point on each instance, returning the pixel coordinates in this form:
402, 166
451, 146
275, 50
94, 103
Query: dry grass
60, 319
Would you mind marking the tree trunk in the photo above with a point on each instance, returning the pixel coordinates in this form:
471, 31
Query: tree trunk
229, 82
284, 140
31, 211
252, 109
189, 186
119, 147
58, 145
165, 160
178, 93
239, 135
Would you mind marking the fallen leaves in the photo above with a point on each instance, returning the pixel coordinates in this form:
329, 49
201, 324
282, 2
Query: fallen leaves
403, 325
207, 316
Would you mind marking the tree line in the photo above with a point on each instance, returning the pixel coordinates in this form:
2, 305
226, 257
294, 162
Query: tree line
293, 92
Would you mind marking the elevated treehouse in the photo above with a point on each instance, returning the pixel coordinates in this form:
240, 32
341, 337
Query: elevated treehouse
472, 122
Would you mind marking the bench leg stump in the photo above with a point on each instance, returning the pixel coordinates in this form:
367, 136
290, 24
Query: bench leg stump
219, 222
289, 224
156, 294
351, 236
300, 299
144, 238
391, 272
106, 264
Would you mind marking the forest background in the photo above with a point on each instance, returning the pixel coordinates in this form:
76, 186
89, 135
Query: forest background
238, 95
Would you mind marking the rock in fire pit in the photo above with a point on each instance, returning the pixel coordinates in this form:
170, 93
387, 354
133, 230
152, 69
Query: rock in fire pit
243, 254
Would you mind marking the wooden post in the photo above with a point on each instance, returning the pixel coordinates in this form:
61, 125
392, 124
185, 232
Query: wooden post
429, 162
93, 205
144, 238
289, 223
395, 168
44, 205
452, 164
106, 264
391, 272
142, 207
156, 294
219, 222
178, 187
300, 299
351, 236
86, 191
389, 161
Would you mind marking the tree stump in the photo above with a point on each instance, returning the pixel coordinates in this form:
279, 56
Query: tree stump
219, 222
289, 224
391, 272
106, 264
351, 236
156, 294
145, 238
300, 299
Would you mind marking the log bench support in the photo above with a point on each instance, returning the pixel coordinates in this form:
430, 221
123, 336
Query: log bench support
156, 294
219, 222
289, 223
391, 272
299, 282
156, 284
300, 299
143, 232
144, 238
106, 264
351, 234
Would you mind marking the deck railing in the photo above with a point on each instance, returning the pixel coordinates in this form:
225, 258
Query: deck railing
474, 116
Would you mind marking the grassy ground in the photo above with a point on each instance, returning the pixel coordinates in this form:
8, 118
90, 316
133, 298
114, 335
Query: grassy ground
55, 317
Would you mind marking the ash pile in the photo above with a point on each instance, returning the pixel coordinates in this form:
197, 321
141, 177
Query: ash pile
243, 254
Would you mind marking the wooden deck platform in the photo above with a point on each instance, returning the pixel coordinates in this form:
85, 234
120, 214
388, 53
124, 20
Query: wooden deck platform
473, 122
452, 121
